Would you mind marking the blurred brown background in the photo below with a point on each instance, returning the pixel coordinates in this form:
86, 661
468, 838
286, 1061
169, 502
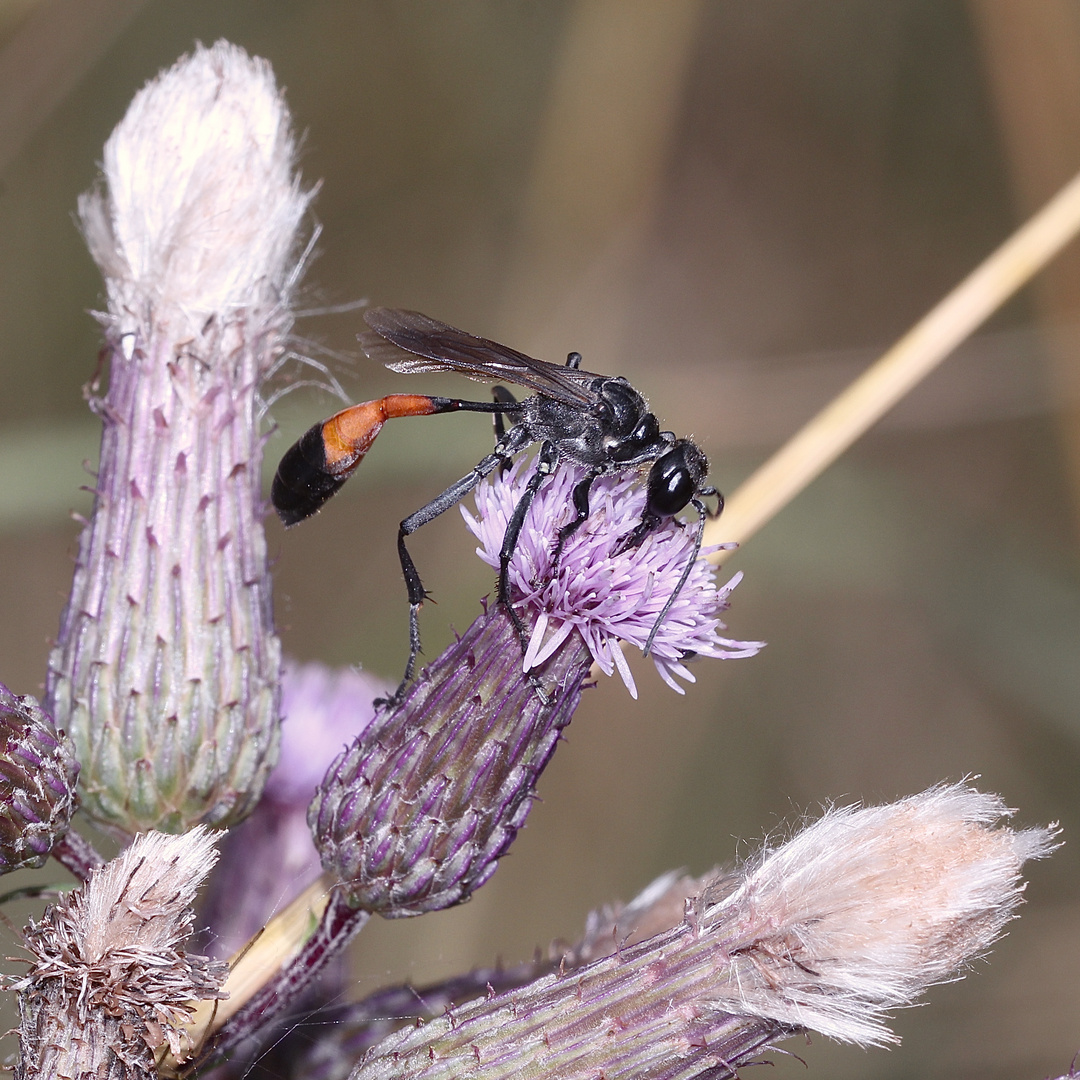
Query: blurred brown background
737, 205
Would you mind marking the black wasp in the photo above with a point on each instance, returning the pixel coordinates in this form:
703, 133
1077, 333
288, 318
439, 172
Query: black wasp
598, 421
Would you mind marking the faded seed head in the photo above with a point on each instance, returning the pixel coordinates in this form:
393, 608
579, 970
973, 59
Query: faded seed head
166, 666
200, 206
110, 980
868, 906
859, 912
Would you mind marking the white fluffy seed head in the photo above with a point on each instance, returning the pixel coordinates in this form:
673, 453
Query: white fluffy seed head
859, 912
109, 964
129, 916
142, 899
868, 906
199, 206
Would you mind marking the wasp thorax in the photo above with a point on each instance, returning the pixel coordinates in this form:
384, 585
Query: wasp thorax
625, 406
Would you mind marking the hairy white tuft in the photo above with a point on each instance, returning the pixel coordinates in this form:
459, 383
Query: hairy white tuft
109, 972
857, 913
142, 898
866, 907
199, 206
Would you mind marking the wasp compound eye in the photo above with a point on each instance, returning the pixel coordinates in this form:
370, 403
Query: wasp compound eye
670, 487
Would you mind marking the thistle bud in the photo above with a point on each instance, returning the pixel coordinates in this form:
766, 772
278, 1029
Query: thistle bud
166, 666
38, 772
414, 815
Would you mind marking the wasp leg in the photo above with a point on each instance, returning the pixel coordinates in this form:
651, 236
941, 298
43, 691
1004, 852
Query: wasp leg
545, 465
650, 522
580, 499
515, 440
502, 396
707, 491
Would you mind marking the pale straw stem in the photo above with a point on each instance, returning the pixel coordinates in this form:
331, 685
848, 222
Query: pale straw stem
262, 958
809, 452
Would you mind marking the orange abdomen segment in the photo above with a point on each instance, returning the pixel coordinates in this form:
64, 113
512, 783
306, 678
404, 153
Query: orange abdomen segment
327, 454
348, 435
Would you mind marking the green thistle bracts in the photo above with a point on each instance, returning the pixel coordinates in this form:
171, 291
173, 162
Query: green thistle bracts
166, 671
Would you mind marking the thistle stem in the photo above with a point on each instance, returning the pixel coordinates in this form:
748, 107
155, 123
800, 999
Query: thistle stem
808, 453
75, 853
338, 925
263, 959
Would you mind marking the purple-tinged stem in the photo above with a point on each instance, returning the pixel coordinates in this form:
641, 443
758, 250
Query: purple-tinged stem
350, 1030
75, 853
340, 923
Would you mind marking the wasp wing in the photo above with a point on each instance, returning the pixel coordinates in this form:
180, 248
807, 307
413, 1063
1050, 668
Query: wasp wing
412, 343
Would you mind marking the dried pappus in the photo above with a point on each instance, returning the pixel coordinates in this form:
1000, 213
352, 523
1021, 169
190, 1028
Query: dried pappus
868, 906
166, 667
110, 983
858, 913
200, 206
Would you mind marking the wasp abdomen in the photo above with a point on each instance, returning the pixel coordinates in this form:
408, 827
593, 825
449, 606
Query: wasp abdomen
303, 481
326, 455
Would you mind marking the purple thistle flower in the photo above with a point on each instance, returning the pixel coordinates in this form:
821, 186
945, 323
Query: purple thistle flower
323, 709
415, 815
605, 597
